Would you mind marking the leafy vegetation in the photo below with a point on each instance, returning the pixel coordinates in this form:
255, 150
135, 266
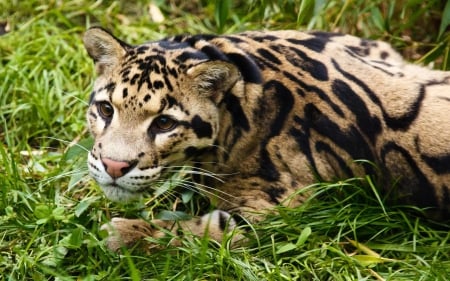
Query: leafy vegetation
50, 211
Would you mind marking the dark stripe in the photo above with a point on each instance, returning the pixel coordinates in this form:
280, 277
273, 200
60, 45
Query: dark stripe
173, 44
214, 53
416, 182
349, 140
327, 35
125, 93
317, 69
395, 123
316, 44
314, 89
223, 221
440, 164
233, 105
263, 63
364, 61
249, 70
168, 84
262, 38
91, 97
239, 122
268, 56
323, 147
302, 138
234, 38
370, 125
184, 56
363, 52
193, 39
284, 103
110, 87
445, 200
145, 79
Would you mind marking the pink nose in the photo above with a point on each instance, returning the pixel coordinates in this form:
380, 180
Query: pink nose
116, 169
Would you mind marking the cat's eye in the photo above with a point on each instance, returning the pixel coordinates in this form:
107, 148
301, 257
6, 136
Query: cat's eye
105, 110
163, 124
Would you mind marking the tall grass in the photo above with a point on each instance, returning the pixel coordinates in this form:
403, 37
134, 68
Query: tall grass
50, 211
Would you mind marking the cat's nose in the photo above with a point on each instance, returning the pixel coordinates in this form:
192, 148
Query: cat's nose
117, 169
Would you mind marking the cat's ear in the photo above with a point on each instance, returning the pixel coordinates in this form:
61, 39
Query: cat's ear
106, 50
213, 77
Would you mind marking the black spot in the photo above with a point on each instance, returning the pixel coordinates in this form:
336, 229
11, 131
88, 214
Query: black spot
268, 56
147, 98
125, 93
134, 78
110, 87
275, 193
171, 102
141, 49
315, 44
191, 152
269, 38
158, 84
172, 71
234, 39
201, 128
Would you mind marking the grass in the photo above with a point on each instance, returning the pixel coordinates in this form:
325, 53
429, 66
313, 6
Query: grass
50, 211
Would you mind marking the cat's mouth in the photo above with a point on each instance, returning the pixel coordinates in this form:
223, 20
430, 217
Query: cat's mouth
118, 193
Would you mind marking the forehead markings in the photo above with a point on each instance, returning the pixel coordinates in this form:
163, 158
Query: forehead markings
103, 93
148, 66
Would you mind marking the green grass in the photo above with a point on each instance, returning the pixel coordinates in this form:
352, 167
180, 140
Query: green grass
50, 211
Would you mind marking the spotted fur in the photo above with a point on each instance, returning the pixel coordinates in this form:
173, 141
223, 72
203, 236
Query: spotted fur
273, 111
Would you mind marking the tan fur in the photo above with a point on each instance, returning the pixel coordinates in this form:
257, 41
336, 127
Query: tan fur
271, 111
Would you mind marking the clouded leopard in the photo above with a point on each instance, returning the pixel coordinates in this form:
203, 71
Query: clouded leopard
274, 111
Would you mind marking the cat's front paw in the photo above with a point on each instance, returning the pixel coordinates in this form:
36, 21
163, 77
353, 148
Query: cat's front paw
130, 233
